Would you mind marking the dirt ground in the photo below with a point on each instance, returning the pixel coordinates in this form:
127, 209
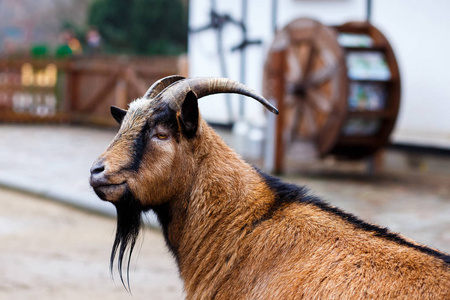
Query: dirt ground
52, 251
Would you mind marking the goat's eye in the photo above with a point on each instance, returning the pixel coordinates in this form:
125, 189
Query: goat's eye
162, 136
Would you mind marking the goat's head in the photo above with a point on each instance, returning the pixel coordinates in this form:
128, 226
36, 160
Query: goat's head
152, 156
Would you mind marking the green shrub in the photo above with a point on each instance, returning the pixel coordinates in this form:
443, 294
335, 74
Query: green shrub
149, 27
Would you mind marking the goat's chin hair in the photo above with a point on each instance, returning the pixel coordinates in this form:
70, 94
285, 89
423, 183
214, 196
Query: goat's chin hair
129, 221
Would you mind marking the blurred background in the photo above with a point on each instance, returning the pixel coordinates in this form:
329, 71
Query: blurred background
361, 87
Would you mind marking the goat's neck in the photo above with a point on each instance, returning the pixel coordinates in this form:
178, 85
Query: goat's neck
226, 197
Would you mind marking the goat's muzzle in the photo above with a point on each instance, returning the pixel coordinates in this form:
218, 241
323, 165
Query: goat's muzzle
105, 188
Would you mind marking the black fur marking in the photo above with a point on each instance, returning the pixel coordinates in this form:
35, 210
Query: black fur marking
167, 117
140, 143
129, 222
287, 193
163, 212
164, 116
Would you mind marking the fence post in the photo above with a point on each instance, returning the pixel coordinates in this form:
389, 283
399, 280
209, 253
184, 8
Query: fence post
183, 65
72, 94
121, 92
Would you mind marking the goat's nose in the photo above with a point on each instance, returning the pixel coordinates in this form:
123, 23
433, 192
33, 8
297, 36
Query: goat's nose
97, 168
98, 174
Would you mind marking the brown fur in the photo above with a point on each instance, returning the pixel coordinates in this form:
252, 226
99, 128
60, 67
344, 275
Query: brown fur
302, 252
227, 249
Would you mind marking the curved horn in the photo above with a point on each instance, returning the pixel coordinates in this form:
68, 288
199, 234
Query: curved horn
207, 86
160, 85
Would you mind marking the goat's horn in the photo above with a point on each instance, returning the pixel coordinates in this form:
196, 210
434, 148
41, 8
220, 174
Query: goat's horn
160, 85
207, 86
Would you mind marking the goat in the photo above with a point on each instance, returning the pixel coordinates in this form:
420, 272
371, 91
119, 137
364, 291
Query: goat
235, 232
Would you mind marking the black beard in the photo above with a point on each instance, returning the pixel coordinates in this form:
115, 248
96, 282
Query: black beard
129, 222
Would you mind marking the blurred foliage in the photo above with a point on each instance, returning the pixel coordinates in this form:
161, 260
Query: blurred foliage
39, 51
63, 51
148, 27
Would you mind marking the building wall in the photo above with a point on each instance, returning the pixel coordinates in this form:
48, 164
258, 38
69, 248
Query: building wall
417, 32
420, 38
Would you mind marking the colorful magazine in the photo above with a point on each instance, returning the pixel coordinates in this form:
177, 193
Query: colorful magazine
370, 65
367, 96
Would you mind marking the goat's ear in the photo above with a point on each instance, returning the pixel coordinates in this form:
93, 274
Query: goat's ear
189, 115
118, 113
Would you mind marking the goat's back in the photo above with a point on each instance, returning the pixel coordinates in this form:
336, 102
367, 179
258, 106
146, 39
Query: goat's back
302, 247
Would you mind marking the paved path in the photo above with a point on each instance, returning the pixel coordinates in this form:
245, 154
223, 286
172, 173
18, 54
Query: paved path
51, 251
53, 161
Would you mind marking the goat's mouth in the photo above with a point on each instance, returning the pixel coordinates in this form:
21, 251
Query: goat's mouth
110, 192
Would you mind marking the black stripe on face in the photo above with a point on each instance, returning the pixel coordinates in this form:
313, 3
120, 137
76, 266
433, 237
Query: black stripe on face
163, 116
139, 147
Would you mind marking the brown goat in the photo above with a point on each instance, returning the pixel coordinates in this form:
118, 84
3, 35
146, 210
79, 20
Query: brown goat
235, 232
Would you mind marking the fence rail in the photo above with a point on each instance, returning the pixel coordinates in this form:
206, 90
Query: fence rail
78, 89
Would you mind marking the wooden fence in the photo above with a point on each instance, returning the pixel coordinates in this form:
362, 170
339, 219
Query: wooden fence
77, 90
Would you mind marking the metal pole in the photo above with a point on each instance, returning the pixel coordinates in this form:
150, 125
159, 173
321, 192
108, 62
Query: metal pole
274, 15
243, 57
368, 10
223, 65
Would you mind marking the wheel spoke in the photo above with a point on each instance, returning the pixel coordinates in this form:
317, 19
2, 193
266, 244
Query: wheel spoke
306, 55
318, 100
320, 76
296, 117
310, 121
294, 73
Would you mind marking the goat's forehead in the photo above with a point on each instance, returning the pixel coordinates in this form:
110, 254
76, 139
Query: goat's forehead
141, 105
140, 112
144, 108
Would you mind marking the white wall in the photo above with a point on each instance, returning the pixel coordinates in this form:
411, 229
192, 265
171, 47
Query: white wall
417, 30
204, 60
419, 33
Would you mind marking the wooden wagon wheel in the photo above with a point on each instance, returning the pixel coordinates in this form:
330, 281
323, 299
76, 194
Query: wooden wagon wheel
306, 74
